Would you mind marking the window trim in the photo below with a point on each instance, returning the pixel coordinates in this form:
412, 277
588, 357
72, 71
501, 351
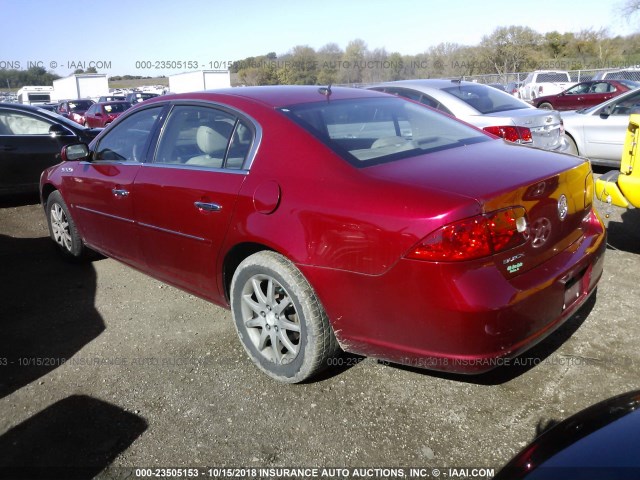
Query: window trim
148, 143
253, 125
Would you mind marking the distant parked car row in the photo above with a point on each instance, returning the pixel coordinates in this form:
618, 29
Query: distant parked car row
596, 130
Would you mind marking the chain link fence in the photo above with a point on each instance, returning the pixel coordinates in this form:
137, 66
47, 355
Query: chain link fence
576, 76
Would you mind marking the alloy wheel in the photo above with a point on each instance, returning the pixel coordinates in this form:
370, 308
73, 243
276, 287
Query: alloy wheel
271, 319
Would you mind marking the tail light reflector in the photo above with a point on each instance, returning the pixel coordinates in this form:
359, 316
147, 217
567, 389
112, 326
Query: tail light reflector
511, 133
476, 237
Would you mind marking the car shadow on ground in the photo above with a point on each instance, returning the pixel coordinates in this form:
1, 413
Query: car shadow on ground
48, 311
625, 235
19, 200
75, 438
515, 367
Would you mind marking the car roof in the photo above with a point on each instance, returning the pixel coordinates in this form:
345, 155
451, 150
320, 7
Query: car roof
437, 83
113, 102
276, 95
20, 106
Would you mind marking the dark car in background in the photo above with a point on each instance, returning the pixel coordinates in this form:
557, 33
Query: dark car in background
137, 97
30, 141
74, 109
585, 94
600, 442
102, 114
451, 247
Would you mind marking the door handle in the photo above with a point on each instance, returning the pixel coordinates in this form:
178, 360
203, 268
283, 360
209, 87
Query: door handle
208, 207
120, 192
7, 148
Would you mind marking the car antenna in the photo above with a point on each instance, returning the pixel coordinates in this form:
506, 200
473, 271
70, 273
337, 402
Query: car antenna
326, 91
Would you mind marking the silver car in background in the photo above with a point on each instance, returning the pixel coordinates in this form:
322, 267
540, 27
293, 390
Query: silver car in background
598, 132
485, 107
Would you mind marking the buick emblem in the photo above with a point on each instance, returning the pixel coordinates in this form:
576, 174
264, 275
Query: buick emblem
563, 207
540, 232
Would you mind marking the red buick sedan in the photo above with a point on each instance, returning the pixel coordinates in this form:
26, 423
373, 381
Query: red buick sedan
330, 218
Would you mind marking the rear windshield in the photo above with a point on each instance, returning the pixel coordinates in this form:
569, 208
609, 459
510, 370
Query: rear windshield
376, 130
78, 105
486, 99
116, 107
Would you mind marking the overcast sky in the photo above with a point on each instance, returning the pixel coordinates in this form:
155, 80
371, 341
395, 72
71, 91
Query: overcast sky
135, 36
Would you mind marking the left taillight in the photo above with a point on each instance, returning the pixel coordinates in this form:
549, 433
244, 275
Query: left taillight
472, 238
511, 133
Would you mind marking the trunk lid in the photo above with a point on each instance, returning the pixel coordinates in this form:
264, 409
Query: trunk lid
555, 190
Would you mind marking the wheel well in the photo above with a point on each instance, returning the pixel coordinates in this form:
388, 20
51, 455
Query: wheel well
47, 190
573, 140
234, 257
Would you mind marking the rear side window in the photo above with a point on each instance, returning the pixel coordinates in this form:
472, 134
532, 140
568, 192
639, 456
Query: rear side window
205, 137
18, 123
371, 131
418, 97
127, 141
486, 99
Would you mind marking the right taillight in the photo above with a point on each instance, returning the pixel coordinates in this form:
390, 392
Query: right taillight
511, 133
476, 237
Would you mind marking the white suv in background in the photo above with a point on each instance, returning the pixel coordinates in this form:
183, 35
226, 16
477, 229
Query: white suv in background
545, 82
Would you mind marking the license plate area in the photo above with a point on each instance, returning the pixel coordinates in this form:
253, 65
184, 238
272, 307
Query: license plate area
573, 290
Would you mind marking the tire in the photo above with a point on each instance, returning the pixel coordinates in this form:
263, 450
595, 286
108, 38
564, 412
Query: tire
546, 106
573, 148
280, 321
62, 228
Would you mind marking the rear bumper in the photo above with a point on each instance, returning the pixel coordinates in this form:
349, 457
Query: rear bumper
563, 147
458, 318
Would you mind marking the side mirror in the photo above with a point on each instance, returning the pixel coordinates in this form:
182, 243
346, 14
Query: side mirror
76, 151
606, 111
57, 130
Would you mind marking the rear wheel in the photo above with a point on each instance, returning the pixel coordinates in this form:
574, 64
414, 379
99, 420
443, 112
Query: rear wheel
546, 106
62, 228
279, 319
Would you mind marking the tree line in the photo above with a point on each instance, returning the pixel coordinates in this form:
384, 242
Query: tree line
506, 50
11, 78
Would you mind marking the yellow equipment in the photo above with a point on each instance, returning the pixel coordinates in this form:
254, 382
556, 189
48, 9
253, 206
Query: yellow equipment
622, 188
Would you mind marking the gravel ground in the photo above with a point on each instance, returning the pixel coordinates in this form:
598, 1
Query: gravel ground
155, 377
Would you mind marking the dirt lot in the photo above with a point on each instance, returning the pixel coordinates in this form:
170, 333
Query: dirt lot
154, 377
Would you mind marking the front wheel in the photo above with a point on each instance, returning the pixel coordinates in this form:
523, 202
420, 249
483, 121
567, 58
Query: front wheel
280, 321
62, 228
546, 106
573, 148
